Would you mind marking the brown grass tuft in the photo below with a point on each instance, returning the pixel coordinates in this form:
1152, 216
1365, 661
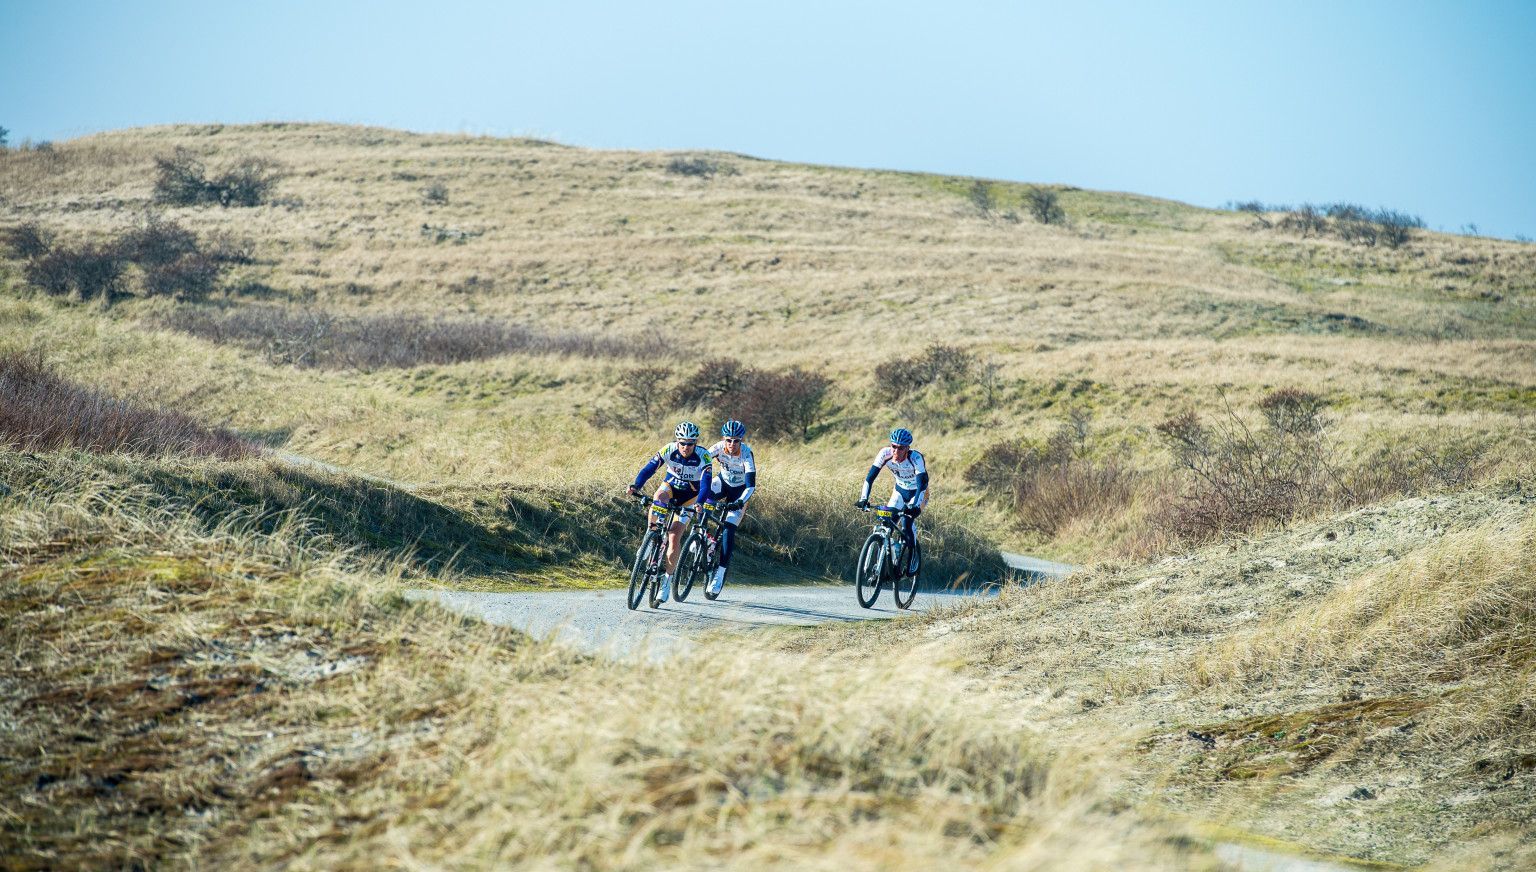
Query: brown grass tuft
41, 410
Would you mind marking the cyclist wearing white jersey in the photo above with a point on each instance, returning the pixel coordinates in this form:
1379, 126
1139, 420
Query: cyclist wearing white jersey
737, 480
911, 473
687, 479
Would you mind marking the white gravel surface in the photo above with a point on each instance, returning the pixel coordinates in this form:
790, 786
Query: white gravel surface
600, 620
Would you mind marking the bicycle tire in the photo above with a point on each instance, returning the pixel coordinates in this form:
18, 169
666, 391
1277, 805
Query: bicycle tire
639, 573
688, 567
870, 570
908, 581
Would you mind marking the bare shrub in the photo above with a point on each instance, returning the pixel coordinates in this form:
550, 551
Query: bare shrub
778, 404
714, 381
1052, 484
40, 410
1397, 227
85, 272
1305, 220
946, 364
158, 243
698, 167
192, 277
980, 195
181, 179
323, 339
1353, 223
1051, 496
26, 241
1045, 206
435, 194
640, 392
1241, 478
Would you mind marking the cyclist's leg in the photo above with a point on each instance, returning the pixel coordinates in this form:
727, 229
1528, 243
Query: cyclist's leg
663, 497
730, 522
900, 499
675, 535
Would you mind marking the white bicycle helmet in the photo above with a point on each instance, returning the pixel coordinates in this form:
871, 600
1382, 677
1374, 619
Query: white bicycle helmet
687, 430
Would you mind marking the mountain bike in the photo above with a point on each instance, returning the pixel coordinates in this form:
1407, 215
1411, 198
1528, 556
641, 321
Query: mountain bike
650, 557
878, 561
701, 550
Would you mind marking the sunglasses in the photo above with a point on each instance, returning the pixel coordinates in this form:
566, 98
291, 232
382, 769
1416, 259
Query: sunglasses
729, 441
686, 442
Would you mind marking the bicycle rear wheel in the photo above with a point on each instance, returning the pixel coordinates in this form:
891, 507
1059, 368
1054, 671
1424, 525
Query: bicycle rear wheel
640, 575
904, 587
868, 571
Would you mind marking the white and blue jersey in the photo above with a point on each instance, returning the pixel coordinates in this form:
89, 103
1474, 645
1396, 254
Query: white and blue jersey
687, 476
737, 478
911, 478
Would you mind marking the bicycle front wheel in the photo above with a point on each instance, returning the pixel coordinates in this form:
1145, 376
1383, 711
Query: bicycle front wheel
867, 572
904, 588
689, 566
640, 574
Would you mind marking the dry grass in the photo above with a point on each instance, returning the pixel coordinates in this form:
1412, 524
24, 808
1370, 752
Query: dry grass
42, 410
216, 693
1359, 684
1134, 310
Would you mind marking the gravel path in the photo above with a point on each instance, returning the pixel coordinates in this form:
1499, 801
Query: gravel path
600, 620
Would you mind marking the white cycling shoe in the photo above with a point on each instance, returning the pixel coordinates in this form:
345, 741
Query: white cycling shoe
717, 582
666, 587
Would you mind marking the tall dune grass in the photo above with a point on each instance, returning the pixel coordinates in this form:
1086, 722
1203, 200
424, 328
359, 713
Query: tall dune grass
42, 410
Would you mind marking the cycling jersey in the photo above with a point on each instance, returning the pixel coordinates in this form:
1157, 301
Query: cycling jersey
737, 479
911, 475
736, 470
687, 474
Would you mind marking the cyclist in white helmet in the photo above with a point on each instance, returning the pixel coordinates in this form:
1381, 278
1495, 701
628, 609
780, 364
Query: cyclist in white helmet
687, 480
911, 492
736, 481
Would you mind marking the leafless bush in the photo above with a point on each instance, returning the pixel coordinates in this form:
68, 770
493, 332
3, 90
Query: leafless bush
181, 179
85, 272
778, 404
158, 243
1050, 497
640, 392
698, 167
1305, 220
1394, 472
947, 364
1397, 227
1240, 478
1051, 484
981, 197
26, 241
1353, 223
773, 403
40, 410
1045, 205
435, 194
323, 339
714, 381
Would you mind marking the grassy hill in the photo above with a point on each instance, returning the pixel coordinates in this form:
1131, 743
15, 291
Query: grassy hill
1299, 464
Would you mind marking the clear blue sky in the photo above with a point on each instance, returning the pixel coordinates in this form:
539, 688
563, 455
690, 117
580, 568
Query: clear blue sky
1429, 108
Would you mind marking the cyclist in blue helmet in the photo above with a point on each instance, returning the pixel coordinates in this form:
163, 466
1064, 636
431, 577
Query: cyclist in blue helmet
911, 473
735, 480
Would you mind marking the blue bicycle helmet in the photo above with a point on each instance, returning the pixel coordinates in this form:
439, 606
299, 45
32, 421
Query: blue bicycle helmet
733, 429
686, 430
901, 436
